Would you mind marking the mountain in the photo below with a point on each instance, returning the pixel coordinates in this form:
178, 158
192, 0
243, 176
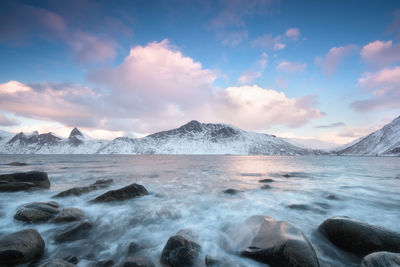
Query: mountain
311, 143
191, 138
385, 141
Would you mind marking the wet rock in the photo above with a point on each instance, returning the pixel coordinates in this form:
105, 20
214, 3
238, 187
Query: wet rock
137, 261
77, 191
127, 192
16, 164
40, 179
211, 261
266, 181
133, 248
21, 247
299, 207
231, 191
381, 259
331, 197
15, 186
277, 243
286, 175
181, 249
71, 259
57, 263
70, 215
37, 212
359, 237
105, 263
266, 187
77, 231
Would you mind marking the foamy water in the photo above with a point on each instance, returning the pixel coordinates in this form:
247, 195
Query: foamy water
186, 192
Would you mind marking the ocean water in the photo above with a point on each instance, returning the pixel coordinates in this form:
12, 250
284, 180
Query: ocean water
186, 193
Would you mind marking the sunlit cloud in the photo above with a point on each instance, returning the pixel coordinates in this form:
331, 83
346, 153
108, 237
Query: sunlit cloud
335, 55
287, 66
293, 33
380, 53
255, 71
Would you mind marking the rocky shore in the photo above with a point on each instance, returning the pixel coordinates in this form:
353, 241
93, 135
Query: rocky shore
259, 237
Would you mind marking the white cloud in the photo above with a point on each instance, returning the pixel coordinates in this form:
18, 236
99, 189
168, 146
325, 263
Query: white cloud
335, 55
380, 53
293, 33
291, 66
255, 72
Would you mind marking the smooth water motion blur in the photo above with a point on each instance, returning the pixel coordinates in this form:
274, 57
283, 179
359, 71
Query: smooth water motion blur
187, 192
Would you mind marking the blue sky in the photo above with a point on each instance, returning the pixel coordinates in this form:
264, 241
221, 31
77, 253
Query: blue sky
309, 69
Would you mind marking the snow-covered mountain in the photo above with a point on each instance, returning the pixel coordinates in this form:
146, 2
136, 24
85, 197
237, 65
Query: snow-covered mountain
191, 138
385, 141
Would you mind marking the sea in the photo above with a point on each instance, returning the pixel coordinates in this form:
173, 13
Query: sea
187, 192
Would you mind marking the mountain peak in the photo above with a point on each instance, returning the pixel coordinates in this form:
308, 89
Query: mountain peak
192, 126
75, 133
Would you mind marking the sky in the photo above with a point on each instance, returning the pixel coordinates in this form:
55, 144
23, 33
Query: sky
326, 70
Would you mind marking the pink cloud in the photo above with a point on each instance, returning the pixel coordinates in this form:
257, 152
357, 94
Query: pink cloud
293, 33
268, 41
394, 27
234, 38
385, 86
380, 53
287, 66
255, 71
4, 121
335, 55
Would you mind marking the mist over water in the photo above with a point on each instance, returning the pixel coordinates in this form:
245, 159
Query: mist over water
187, 192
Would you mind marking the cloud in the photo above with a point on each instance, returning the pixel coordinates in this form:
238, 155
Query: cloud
156, 87
265, 107
385, 86
394, 27
234, 38
380, 53
335, 55
332, 125
293, 33
4, 121
267, 41
287, 66
255, 71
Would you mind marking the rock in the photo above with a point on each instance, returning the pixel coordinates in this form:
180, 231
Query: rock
77, 191
21, 247
277, 243
137, 261
359, 237
381, 259
266, 181
181, 249
133, 248
266, 187
211, 261
36, 212
57, 263
105, 263
127, 192
40, 179
70, 215
299, 207
16, 163
77, 231
71, 259
15, 186
231, 191
331, 197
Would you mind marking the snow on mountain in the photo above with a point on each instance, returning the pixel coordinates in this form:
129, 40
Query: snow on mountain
191, 138
311, 143
385, 141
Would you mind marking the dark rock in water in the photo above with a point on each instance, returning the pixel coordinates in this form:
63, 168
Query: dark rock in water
266, 187
331, 197
133, 248
277, 243
231, 191
359, 237
105, 263
266, 181
36, 212
181, 249
299, 207
57, 263
21, 247
40, 179
71, 259
77, 231
77, 191
286, 175
137, 261
16, 164
211, 261
381, 259
70, 215
127, 192
15, 186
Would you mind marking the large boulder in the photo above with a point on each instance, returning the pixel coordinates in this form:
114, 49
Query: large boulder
37, 212
77, 231
39, 179
77, 191
181, 249
137, 261
127, 192
57, 263
21, 247
70, 215
359, 237
15, 186
277, 243
381, 259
